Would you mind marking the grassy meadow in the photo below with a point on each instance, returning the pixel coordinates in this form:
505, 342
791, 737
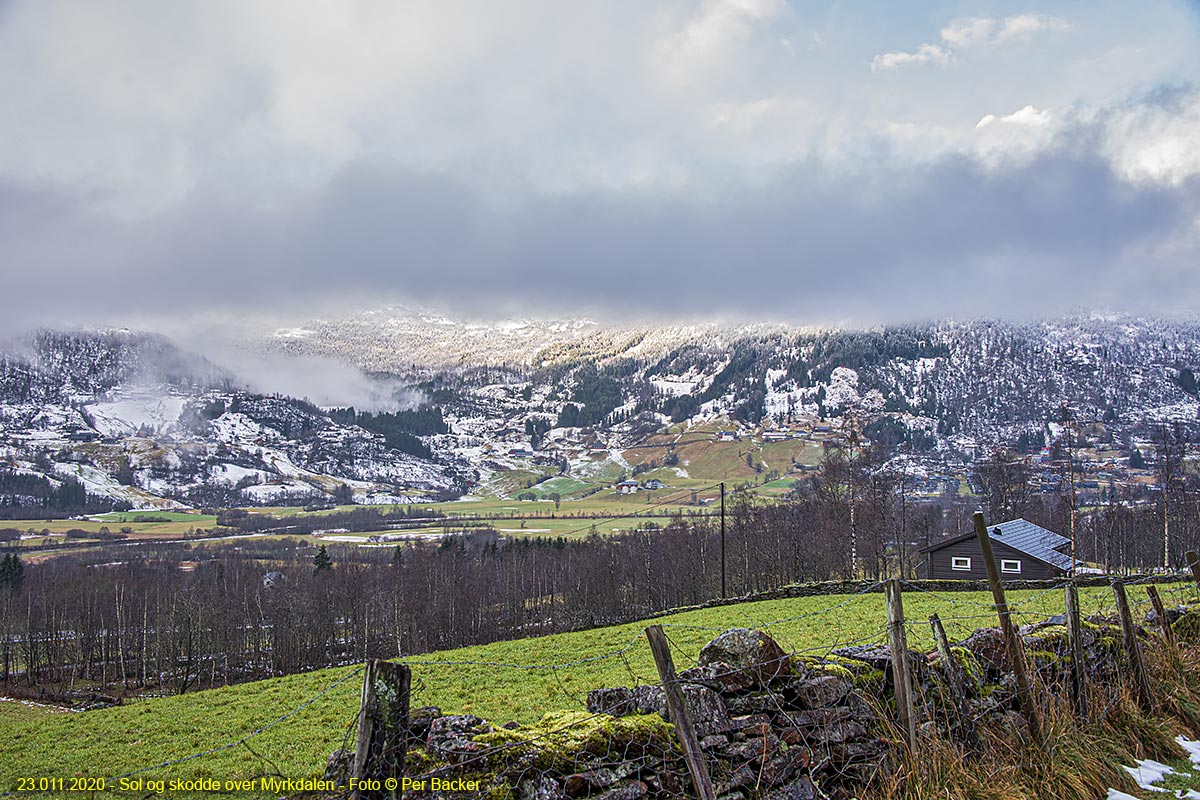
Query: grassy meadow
494, 681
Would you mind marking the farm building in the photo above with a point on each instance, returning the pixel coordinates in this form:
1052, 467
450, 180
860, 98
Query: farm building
1021, 549
627, 487
653, 483
727, 436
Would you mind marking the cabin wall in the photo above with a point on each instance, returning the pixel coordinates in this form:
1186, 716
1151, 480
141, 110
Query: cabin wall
940, 562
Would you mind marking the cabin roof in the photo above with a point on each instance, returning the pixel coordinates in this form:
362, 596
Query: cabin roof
1025, 537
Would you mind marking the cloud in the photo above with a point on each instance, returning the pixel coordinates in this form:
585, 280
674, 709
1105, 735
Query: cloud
925, 54
672, 156
1025, 117
1155, 142
710, 39
951, 238
974, 33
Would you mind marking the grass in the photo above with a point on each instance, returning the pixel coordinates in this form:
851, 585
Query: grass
127, 738
178, 524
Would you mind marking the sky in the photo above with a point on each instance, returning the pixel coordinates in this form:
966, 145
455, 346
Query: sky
755, 159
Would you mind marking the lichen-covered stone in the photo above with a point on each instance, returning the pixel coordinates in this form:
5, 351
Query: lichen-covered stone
719, 676
987, 645
581, 783
617, 701
754, 652
800, 789
821, 691
452, 738
543, 787
626, 790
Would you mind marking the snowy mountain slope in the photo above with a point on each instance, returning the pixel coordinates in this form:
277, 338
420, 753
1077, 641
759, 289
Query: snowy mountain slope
70, 404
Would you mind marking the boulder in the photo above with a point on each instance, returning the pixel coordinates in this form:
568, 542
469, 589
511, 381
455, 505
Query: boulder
753, 652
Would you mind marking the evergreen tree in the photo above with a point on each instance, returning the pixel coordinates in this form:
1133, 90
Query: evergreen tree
12, 572
321, 561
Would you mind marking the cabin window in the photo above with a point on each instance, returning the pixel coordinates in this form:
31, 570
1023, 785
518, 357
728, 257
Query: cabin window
960, 562
1010, 565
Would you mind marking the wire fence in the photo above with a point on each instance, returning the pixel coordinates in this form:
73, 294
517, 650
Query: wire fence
826, 719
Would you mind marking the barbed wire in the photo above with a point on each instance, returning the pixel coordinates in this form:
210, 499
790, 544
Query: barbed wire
1048, 672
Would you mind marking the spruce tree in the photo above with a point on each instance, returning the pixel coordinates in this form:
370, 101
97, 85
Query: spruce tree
321, 560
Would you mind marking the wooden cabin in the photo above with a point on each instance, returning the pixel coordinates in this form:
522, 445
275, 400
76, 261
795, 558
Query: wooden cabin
1022, 550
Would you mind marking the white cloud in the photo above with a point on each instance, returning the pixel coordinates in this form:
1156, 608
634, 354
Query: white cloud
1024, 26
1025, 117
709, 39
925, 54
1156, 143
973, 33
966, 33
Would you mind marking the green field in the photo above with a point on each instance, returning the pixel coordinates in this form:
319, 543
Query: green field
496, 684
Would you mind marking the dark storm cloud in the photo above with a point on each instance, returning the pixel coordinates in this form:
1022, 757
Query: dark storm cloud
951, 238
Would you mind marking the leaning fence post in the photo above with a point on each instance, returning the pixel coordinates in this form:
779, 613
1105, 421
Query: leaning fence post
1160, 613
1132, 649
954, 680
382, 725
677, 708
1012, 642
1075, 636
1193, 560
898, 640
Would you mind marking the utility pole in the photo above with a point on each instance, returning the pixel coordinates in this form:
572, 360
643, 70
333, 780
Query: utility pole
723, 592
1071, 476
852, 439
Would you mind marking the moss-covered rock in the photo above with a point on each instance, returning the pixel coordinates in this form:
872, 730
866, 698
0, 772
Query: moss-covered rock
972, 670
561, 740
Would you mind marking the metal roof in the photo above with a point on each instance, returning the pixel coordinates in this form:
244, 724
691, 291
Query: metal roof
1032, 540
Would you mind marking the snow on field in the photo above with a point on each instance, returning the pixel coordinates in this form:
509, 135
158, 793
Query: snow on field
233, 428
232, 473
1193, 748
1147, 773
98, 482
385, 499
268, 491
673, 387
125, 415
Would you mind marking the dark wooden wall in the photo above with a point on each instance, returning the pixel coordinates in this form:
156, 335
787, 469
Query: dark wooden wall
939, 562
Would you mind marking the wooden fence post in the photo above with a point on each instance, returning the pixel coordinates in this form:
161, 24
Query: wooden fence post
1193, 560
1012, 642
1132, 648
954, 680
898, 639
1160, 613
1075, 636
677, 708
382, 725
